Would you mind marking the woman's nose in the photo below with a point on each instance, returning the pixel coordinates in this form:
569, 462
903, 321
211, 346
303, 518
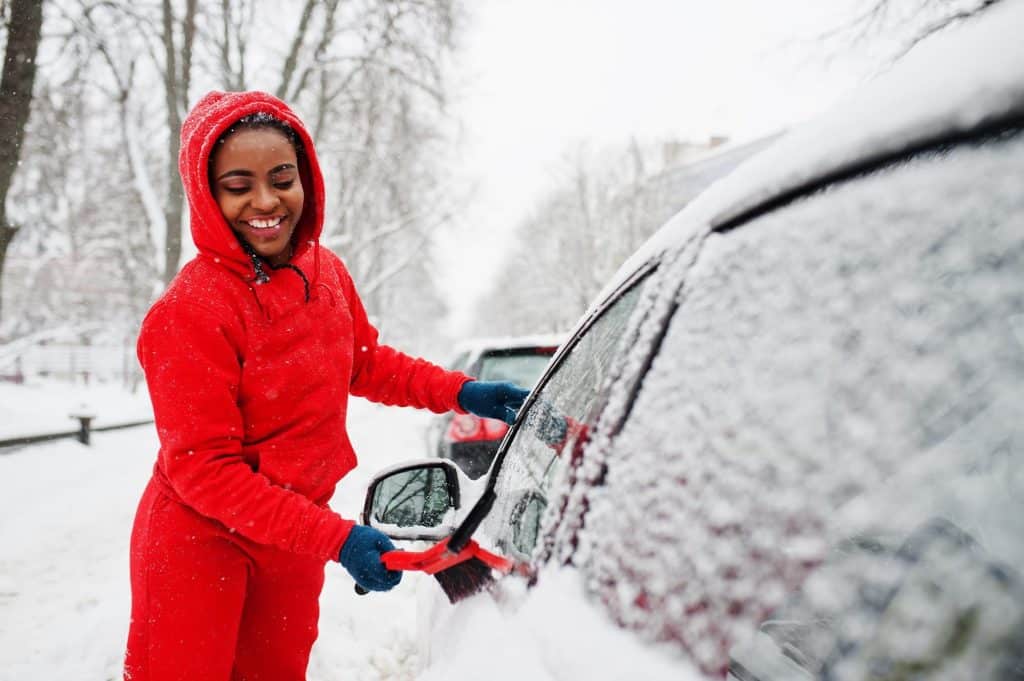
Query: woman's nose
265, 199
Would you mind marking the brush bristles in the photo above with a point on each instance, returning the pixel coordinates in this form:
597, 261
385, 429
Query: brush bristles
464, 579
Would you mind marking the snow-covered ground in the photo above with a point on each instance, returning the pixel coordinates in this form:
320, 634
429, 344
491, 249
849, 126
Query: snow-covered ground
65, 518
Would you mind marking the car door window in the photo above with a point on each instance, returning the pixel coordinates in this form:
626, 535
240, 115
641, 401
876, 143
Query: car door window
561, 414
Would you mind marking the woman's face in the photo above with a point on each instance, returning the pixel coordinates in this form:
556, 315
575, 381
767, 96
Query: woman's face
256, 184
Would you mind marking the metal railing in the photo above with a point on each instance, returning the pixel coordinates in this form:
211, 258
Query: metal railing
83, 433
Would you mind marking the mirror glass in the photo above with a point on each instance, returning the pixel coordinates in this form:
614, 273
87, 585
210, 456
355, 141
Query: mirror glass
414, 497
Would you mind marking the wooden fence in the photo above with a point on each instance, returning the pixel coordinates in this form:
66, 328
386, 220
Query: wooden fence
75, 362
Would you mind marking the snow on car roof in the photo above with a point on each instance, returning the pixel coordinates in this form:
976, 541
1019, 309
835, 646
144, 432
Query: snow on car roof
959, 81
482, 344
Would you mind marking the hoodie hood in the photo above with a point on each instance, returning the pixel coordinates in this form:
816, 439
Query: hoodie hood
209, 118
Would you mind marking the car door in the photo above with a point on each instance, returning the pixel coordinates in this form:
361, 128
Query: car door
822, 472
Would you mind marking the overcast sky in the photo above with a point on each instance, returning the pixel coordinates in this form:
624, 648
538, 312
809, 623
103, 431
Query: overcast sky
535, 77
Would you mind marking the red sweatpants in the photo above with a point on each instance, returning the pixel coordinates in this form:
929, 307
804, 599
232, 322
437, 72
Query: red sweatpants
210, 605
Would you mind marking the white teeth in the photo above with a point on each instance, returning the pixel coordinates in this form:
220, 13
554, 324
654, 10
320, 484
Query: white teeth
265, 224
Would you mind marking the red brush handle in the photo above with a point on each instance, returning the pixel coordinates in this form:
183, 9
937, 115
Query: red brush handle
438, 558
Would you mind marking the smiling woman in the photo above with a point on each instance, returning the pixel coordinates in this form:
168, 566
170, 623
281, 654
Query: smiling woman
249, 357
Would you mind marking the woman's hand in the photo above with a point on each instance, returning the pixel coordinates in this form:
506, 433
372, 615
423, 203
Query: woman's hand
360, 555
492, 399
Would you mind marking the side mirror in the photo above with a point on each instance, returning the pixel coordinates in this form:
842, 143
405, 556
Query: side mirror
416, 500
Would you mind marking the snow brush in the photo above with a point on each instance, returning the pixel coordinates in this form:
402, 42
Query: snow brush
460, 565
461, 572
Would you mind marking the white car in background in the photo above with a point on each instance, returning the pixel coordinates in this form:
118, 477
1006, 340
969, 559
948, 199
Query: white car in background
787, 443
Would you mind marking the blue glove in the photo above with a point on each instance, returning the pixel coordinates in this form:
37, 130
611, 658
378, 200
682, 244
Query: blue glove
492, 399
360, 554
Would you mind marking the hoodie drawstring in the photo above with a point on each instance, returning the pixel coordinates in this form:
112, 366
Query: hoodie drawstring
261, 272
302, 275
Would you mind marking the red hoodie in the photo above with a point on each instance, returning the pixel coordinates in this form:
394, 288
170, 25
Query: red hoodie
249, 381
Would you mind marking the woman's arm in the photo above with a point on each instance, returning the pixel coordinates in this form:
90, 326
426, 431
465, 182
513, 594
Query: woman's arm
386, 375
191, 359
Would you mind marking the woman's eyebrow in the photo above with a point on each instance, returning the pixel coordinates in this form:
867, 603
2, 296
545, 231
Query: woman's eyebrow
233, 173
248, 173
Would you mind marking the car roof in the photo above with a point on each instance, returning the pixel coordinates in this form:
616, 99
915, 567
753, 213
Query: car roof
962, 81
480, 345
687, 181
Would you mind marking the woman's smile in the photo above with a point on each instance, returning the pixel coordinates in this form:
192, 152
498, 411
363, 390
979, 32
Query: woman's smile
264, 223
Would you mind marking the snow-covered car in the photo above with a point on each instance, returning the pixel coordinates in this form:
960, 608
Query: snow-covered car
471, 441
787, 442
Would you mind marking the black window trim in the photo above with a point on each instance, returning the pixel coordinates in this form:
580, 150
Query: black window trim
727, 221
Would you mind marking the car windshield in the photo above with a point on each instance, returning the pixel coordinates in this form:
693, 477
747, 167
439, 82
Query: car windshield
522, 367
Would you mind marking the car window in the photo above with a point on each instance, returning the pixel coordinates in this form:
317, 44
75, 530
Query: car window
559, 416
459, 362
522, 368
823, 470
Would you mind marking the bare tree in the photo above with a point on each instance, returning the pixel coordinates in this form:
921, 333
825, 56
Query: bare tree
572, 241
908, 22
132, 42
602, 207
177, 76
232, 43
119, 75
87, 256
370, 75
16, 85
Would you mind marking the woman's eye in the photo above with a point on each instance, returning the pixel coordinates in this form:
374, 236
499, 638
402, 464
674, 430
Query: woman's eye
284, 184
236, 190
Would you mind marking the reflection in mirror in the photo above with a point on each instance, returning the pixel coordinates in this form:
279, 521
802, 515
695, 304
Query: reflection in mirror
415, 497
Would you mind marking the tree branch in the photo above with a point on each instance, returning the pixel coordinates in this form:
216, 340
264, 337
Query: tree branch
326, 36
188, 29
293, 55
938, 25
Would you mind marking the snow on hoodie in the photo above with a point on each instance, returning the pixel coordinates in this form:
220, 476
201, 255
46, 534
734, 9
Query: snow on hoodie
250, 381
